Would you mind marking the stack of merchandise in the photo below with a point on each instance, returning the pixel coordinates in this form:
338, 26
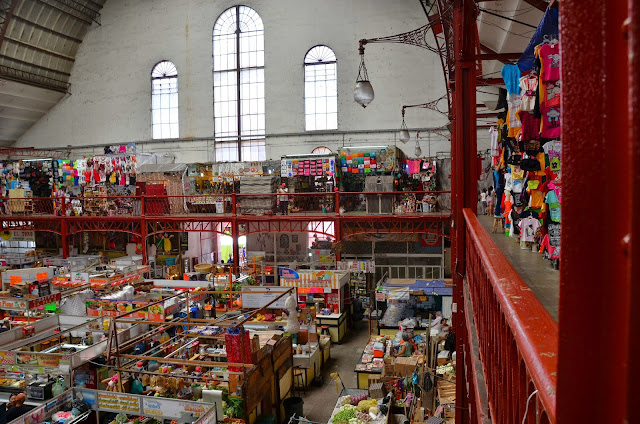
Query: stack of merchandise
526, 152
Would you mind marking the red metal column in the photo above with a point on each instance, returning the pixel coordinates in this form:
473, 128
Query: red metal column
64, 233
143, 238
599, 291
337, 226
235, 233
464, 175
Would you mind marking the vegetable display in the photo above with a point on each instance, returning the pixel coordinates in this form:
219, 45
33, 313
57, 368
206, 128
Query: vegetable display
344, 414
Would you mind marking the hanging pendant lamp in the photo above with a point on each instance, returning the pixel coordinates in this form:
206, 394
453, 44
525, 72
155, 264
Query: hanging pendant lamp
418, 149
363, 93
404, 135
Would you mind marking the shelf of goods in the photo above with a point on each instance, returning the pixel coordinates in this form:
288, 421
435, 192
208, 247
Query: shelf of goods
105, 278
357, 406
212, 360
377, 363
53, 346
325, 291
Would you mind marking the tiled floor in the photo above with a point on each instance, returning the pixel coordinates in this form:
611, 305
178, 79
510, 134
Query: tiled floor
537, 272
319, 401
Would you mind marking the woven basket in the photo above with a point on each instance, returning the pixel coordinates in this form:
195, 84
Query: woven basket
204, 268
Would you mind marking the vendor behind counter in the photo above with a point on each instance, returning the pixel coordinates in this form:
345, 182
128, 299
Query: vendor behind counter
16, 407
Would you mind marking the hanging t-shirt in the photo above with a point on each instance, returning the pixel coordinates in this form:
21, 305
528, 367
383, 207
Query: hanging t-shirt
536, 200
530, 126
550, 127
554, 205
493, 133
557, 187
550, 58
511, 77
528, 228
517, 186
513, 102
553, 229
508, 182
543, 165
528, 86
551, 93
517, 173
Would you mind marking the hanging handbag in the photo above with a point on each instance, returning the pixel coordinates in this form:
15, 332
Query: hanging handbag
530, 164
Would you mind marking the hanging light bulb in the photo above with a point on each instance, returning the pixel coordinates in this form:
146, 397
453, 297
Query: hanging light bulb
418, 149
363, 93
404, 135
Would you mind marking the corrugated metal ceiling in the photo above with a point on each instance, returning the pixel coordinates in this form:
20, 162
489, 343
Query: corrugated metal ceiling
39, 40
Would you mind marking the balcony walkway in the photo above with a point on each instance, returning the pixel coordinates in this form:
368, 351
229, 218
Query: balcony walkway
537, 272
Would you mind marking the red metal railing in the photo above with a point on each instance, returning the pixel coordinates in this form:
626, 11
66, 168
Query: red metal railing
236, 204
518, 339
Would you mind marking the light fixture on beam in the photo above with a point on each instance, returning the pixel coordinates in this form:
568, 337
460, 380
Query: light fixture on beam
404, 135
363, 93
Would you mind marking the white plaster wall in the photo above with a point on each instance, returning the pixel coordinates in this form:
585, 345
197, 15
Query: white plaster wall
110, 87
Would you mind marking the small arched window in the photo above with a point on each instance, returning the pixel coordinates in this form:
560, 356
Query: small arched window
164, 100
320, 89
322, 151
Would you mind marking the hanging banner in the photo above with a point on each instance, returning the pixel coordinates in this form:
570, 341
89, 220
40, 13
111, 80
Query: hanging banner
289, 274
172, 409
119, 402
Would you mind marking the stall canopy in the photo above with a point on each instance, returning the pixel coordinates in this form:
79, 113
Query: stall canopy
548, 26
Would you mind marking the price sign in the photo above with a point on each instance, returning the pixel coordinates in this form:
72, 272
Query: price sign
80, 277
15, 279
42, 276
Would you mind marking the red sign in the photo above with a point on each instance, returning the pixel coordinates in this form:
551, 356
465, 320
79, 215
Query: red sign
41, 301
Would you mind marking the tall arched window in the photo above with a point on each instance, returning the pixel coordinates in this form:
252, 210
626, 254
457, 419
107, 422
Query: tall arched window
320, 89
238, 85
164, 100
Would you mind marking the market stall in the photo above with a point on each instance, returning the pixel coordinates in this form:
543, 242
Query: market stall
207, 359
313, 173
412, 304
325, 291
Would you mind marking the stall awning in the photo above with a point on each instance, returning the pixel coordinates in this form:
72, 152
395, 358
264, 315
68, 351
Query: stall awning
425, 287
329, 279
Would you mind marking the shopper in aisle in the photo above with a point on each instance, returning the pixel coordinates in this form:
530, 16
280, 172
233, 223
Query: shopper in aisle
436, 323
19, 408
284, 199
404, 348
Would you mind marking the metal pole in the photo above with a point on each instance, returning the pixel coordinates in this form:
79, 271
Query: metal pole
606, 40
464, 184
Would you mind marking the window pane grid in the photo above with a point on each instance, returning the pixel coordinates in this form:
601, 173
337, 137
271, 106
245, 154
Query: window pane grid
164, 101
231, 129
320, 89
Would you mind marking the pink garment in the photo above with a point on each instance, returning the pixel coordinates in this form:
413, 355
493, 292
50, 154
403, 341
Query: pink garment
550, 58
550, 122
557, 188
414, 167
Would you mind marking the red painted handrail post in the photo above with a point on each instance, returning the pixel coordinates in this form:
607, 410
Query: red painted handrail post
63, 206
143, 210
234, 206
337, 202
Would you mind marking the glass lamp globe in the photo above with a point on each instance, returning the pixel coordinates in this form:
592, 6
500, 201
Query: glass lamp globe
404, 135
363, 93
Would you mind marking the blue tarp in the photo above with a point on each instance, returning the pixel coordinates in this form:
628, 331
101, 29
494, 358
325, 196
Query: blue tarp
548, 26
429, 287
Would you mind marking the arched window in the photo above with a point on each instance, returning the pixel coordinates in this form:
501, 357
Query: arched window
321, 150
320, 89
238, 85
164, 100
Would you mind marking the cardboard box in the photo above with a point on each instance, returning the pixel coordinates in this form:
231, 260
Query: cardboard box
405, 366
